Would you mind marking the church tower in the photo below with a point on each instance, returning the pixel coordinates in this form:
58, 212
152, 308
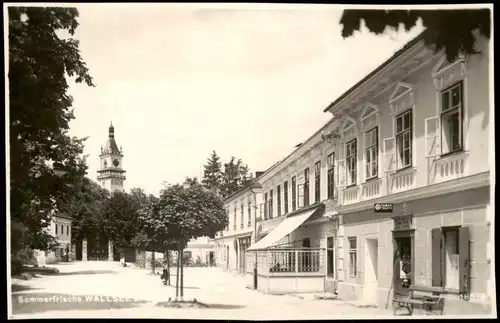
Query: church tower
111, 174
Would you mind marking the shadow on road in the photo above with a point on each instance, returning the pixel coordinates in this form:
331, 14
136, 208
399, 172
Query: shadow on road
20, 288
30, 303
86, 272
180, 304
185, 287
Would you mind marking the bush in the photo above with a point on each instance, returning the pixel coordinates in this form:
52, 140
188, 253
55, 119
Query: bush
23, 257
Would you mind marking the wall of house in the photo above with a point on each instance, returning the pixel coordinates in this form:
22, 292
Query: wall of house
427, 105
466, 208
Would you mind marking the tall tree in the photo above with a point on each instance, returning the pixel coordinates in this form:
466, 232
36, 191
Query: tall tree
212, 172
86, 206
186, 212
39, 114
451, 30
231, 177
120, 220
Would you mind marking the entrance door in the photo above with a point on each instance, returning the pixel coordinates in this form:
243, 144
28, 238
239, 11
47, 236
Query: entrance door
452, 260
371, 271
403, 264
330, 258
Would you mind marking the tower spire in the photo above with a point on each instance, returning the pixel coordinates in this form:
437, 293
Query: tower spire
111, 130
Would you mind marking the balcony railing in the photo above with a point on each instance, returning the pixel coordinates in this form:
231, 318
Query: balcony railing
450, 167
289, 261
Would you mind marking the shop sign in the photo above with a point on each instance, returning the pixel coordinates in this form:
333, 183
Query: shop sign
383, 207
402, 223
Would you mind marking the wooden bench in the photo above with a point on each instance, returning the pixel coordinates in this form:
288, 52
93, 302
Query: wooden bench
429, 298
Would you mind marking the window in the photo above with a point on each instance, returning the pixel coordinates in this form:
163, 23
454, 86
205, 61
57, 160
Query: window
306, 186
317, 181
227, 225
331, 175
371, 153
234, 217
351, 160
249, 213
404, 139
67, 230
278, 199
57, 228
300, 194
353, 257
452, 119
329, 257
285, 195
271, 204
294, 193
242, 214
265, 206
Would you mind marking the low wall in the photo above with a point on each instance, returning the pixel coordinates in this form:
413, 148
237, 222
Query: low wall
290, 284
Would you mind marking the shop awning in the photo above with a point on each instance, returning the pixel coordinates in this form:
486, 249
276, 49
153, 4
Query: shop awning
282, 230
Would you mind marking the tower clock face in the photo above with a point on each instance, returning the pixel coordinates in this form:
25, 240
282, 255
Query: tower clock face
116, 163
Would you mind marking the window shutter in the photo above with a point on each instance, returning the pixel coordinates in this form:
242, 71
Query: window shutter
464, 260
389, 154
436, 260
433, 137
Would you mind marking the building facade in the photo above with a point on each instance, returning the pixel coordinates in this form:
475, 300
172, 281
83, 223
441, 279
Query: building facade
296, 252
414, 136
415, 133
231, 244
60, 228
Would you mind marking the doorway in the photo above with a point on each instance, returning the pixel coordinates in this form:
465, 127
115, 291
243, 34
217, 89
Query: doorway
371, 270
403, 264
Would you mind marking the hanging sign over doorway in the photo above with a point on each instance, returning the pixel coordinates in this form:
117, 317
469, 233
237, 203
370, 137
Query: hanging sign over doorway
383, 207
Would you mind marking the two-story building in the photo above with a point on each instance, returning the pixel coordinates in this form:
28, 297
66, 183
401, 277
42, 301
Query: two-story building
299, 217
415, 133
60, 228
231, 244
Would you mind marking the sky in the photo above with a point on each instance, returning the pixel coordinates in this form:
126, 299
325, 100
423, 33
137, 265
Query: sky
178, 82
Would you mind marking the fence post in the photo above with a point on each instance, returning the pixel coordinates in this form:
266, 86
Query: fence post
296, 261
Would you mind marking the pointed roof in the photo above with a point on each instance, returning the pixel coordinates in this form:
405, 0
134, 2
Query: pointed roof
111, 147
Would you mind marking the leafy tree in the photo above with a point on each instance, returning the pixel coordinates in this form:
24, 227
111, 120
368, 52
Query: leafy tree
451, 30
120, 220
152, 237
39, 114
86, 206
188, 212
212, 172
235, 176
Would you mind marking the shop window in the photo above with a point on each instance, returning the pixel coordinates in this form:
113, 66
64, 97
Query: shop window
353, 257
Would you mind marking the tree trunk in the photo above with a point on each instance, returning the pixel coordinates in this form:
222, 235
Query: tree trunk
182, 274
153, 263
166, 259
177, 277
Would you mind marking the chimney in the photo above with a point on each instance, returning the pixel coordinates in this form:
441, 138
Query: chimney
258, 174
